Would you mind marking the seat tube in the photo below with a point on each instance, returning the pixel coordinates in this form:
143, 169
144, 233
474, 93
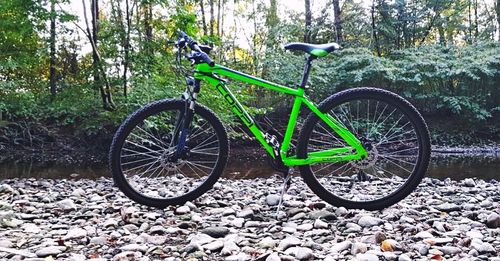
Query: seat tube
291, 126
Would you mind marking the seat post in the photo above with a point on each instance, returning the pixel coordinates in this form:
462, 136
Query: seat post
307, 68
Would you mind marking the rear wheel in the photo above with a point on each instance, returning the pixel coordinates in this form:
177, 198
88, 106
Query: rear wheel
144, 159
394, 135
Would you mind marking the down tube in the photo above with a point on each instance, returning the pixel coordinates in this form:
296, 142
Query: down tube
239, 111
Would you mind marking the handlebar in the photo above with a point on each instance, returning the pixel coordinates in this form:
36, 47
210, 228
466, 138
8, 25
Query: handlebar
199, 56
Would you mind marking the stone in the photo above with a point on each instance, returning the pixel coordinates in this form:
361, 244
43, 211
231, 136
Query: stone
448, 207
267, 242
358, 248
182, 210
450, 250
98, 241
300, 253
482, 247
215, 245
493, 220
369, 221
245, 213
238, 222
201, 239
229, 248
75, 232
134, 248
216, 232
66, 204
127, 255
404, 257
424, 235
468, 182
339, 247
320, 224
323, 214
367, 257
272, 199
289, 242
305, 227
6, 189
50, 251
273, 257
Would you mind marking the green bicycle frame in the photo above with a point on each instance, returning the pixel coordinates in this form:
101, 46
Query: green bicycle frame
354, 151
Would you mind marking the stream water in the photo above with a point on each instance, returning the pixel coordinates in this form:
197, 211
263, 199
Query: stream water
442, 166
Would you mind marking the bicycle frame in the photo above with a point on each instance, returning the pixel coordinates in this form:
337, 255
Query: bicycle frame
354, 151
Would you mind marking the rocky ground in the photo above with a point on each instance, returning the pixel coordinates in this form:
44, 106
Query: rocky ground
86, 219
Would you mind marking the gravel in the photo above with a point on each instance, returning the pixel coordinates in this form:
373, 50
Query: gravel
81, 219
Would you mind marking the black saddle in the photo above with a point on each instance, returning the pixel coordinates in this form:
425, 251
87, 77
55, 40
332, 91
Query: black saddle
316, 50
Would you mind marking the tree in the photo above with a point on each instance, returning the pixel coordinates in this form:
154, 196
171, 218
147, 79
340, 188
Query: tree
52, 73
308, 21
338, 21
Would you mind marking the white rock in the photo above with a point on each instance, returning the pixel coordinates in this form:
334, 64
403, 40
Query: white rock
318, 223
127, 255
272, 199
366, 257
339, 247
134, 248
182, 210
215, 245
301, 253
201, 239
229, 248
273, 257
267, 242
424, 234
369, 221
289, 242
358, 248
50, 251
76, 232
66, 204
305, 227
404, 257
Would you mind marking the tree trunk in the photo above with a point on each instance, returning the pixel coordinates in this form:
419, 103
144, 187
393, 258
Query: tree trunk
107, 99
469, 38
307, 31
126, 48
497, 9
271, 22
338, 20
218, 18
203, 19
476, 24
52, 71
374, 29
212, 18
148, 29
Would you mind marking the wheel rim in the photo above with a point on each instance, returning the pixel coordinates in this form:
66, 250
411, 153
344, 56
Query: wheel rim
390, 138
148, 161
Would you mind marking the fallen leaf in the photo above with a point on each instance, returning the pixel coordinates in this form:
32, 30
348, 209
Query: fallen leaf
386, 246
437, 257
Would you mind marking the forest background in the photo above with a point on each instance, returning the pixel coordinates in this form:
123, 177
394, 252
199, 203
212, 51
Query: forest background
70, 70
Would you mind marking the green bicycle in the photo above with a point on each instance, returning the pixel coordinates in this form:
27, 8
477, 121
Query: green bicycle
359, 148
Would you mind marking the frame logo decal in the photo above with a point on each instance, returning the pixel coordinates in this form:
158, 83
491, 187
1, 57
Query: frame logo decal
236, 107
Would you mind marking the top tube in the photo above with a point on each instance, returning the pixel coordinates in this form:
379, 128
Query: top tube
243, 77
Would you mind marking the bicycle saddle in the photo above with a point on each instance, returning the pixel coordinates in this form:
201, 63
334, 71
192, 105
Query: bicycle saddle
317, 50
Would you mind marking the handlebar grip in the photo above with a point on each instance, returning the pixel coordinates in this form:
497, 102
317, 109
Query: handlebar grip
207, 59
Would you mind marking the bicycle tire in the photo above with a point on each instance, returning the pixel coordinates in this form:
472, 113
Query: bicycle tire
359, 94
141, 116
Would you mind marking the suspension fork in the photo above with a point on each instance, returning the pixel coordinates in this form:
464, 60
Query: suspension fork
184, 121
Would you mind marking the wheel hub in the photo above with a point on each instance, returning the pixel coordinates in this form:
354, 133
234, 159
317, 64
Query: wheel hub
365, 163
170, 161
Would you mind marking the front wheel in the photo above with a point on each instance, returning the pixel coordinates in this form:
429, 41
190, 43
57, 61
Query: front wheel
148, 167
394, 135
